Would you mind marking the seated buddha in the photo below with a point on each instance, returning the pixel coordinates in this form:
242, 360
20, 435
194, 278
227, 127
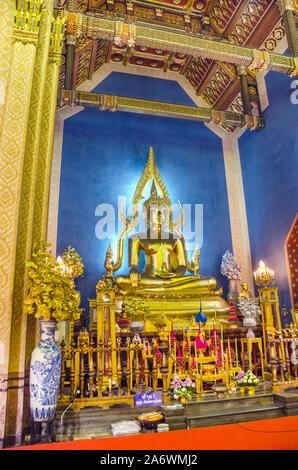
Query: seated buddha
169, 283
165, 254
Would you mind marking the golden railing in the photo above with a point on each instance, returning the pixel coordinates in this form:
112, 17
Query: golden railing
87, 366
283, 362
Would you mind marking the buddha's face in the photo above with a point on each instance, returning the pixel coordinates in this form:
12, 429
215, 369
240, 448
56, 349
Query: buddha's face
244, 286
157, 216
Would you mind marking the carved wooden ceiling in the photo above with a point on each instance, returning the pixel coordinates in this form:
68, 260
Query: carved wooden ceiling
254, 23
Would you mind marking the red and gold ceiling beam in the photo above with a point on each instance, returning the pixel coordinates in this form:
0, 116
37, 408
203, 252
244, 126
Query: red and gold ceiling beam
287, 10
119, 103
176, 41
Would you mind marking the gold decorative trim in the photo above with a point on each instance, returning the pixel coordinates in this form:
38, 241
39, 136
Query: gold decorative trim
251, 122
261, 60
285, 5
27, 20
121, 103
47, 130
125, 34
57, 35
26, 37
173, 41
294, 73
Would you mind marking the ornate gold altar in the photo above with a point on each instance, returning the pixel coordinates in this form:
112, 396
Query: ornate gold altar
172, 297
147, 328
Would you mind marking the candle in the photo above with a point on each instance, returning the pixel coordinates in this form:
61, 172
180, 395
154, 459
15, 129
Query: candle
222, 355
263, 274
236, 352
175, 356
229, 352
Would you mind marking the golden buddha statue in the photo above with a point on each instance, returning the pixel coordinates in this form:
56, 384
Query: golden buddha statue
244, 290
165, 253
163, 284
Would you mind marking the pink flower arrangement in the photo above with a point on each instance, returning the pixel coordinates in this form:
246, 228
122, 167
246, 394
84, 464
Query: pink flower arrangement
182, 388
240, 376
247, 379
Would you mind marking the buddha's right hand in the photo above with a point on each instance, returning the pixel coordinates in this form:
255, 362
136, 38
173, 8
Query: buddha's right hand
134, 276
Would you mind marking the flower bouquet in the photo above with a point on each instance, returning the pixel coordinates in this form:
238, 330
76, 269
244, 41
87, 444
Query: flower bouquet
248, 380
182, 389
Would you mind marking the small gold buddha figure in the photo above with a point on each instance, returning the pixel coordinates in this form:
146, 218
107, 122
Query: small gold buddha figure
244, 290
166, 256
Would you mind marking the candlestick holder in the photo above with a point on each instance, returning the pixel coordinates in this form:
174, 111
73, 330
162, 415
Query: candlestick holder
263, 275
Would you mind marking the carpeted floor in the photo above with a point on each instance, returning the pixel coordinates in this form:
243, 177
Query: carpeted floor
269, 434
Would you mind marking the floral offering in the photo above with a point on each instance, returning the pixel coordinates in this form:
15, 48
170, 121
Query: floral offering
247, 379
182, 388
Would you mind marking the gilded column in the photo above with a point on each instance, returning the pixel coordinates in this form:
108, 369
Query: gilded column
242, 72
6, 29
287, 11
47, 130
14, 122
22, 338
71, 44
72, 6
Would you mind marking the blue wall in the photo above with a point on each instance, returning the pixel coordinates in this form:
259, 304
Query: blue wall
104, 155
269, 161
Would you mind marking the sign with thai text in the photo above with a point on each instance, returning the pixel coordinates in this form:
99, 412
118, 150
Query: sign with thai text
148, 399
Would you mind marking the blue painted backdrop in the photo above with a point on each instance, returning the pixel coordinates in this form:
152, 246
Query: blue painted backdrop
104, 155
269, 161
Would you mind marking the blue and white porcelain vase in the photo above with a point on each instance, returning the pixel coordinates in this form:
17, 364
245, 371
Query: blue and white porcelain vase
45, 369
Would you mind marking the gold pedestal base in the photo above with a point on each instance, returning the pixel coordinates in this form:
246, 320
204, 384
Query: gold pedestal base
180, 310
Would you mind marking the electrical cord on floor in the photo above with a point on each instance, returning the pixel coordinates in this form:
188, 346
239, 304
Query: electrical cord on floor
76, 395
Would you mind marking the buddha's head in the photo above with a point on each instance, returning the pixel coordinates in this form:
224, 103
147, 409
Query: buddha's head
244, 286
156, 209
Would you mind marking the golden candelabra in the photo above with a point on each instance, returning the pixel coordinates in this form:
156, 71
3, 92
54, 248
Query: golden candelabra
263, 275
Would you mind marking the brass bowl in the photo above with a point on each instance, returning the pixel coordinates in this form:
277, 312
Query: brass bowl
208, 368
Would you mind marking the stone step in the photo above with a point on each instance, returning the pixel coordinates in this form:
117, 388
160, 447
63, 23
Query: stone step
207, 412
97, 419
95, 412
228, 402
237, 415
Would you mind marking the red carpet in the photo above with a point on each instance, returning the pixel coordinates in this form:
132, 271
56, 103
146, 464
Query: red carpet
269, 434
